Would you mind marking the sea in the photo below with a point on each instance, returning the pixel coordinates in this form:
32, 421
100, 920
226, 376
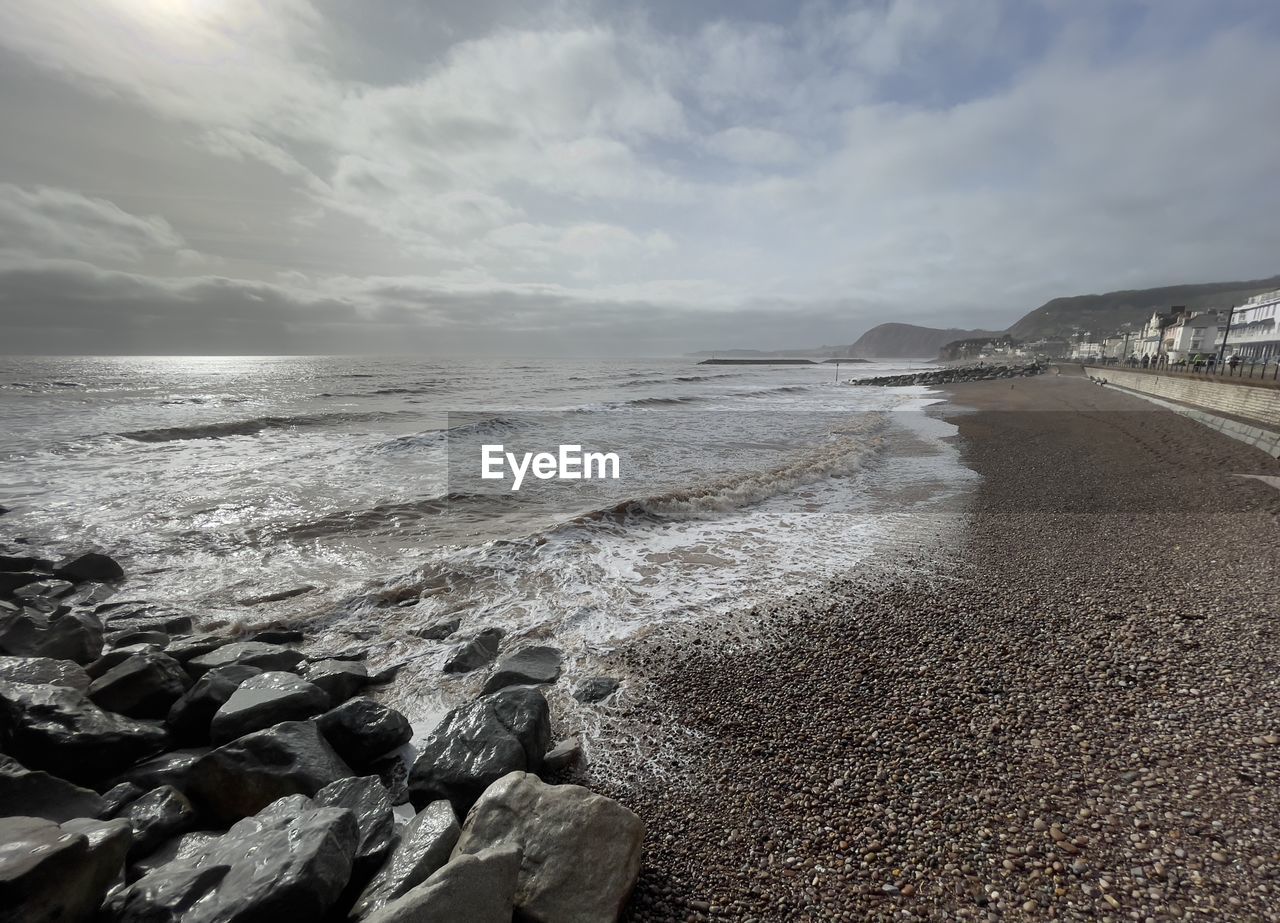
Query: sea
355, 484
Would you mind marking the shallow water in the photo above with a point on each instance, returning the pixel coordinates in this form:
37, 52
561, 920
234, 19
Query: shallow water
217, 480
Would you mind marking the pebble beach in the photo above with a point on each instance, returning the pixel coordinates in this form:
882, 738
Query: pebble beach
1069, 712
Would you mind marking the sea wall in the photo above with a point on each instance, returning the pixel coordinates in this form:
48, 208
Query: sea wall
1252, 403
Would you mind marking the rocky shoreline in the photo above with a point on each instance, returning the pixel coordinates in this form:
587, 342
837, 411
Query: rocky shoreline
152, 772
953, 375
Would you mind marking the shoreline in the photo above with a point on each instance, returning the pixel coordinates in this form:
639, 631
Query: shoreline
1069, 719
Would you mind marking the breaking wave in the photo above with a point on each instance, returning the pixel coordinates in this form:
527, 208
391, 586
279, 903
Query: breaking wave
252, 427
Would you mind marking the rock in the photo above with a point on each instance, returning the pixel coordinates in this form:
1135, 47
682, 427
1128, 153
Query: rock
189, 717
11, 581
528, 666
158, 815
73, 636
361, 730
181, 847
276, 597
341, 679
143, 686
438, 631
369, 802
563, 755
596, 689
35, 793
475, 888
48, 589
15, 563
53, 874
475, 653
425, 845
249, 653
279, 636
264, 700
149, 619
479, 743
37, 670
157, 639
61, 731
91, 566
116, 798
183, 649
244, 776
273, 867
114, 658
580, 851
172, 768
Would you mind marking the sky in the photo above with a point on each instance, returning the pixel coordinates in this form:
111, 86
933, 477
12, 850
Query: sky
508, 177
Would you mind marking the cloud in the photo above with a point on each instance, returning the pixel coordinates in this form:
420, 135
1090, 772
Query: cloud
44, 222
840, 163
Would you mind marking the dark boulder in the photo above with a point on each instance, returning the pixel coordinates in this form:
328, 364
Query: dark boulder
169, 622
264, 700
46, 589
189, 717
251, 653
73, 636
183, 649
91, 566
61, 731
156, 639
143, 686
281, 866
157, 816
16, 563
35, 793
529, 666
361, 730
172, 768
38, 670
243, 777
341, 679
478, 888
596, 689
475, 653
425, 845
278, 636
11, 581
116, 798
439, 630
57, 874
116, 657
364, 797
180, 847
479, 743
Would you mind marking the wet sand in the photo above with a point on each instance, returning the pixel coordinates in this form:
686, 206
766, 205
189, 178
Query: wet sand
1070, 712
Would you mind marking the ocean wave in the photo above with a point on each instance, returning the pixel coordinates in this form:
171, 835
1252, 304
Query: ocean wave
436, 437
842, 455
251, 427
383, 519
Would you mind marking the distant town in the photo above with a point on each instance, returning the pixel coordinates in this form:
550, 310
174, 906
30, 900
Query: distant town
1234, 336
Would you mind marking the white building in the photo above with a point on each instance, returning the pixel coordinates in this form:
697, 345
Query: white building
1191, 335
1149, 341
1253, 332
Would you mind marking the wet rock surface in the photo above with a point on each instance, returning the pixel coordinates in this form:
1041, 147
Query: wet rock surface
250, 653
477, 888
425, 845
61, 731
57, 874
41, 670
479, 743
191, 715
537, 665
953, 375
261, 701
361, 730
142, 686
580, 852
243, 777
283, 866
34, 793
474, 653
